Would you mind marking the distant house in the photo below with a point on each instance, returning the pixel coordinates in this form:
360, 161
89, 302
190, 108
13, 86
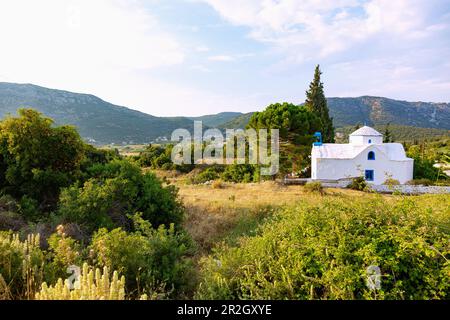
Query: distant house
365, 155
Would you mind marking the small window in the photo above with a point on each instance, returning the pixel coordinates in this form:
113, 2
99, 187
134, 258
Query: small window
371, 155
370, 140
369, 175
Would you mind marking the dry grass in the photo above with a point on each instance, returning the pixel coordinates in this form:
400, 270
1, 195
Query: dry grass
216, 214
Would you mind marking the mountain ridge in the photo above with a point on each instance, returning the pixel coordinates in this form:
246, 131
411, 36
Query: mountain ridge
101, 122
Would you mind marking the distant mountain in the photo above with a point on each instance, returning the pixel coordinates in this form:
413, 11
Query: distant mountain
214, 120
97, 121
101, 122
238, 122
399, 133
377, 110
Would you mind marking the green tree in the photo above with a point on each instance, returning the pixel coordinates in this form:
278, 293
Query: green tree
387, 134
317, 103
297, 126
37, 158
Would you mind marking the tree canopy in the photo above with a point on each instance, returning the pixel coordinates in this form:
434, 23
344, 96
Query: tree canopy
297, 126
36, 157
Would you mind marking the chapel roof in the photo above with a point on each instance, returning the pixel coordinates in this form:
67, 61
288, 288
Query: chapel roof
393, 151
366, 131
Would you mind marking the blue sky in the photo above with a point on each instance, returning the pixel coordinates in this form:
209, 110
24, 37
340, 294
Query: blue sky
192, 57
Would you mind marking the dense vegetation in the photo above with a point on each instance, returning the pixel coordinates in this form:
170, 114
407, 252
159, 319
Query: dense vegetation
322, 251
88, 206
65, 203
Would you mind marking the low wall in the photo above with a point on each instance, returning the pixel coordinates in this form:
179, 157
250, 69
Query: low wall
403, 188
408, 189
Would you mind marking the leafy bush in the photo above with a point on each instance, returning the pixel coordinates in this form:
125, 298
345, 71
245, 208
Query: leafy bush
314, 187
117, 189
358, 183
241, 173
36, 158
424, 161
209, 174
323, 252
148, 258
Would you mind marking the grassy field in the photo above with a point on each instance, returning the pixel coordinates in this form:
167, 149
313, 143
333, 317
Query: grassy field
221, 213
253, 231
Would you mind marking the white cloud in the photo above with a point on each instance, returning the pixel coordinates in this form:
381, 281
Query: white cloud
316, 29
222, 58
101, 47
202, 49
201, 68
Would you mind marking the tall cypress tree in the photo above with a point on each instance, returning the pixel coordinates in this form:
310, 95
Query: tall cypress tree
387, 134
317, 103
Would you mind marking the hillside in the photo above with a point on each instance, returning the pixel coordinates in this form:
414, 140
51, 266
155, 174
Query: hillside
238, 122
98, 121
215, 120
378, 110
399, 133
375, 111
101, 122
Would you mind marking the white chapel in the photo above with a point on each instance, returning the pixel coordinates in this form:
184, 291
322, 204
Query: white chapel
365, 155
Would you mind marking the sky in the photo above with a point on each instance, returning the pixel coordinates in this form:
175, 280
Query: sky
195, 57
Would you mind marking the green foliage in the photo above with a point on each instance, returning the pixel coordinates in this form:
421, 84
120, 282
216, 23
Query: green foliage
36, 158
294, 122
149, 258
94, 156
317, 104
155, 156
323, 251
297, 126
116, 189
209, 174
387, 136
358, 183
241, 173
424, 161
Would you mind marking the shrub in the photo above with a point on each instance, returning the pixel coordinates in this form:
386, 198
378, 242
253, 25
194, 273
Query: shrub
210, 174
391, 182
323, 252
358, 183
148, 258
241, 173
117, 189
217, 184
36, 158
314, 187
